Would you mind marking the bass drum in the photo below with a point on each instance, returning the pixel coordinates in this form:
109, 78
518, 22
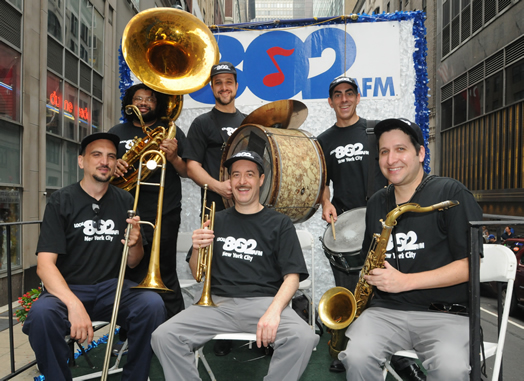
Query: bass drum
294, 168
344, 252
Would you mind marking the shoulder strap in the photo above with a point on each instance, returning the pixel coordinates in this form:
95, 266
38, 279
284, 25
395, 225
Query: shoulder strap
370, 131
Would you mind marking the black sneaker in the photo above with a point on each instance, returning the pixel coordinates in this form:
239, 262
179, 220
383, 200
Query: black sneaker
222, 347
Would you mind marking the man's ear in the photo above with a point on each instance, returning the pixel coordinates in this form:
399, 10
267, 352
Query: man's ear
81, 161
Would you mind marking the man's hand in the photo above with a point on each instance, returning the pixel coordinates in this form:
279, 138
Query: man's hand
134, 235
203, 237
170, 147
388, 279
224, 189
121, 168
267, 328
81, 327
328, 212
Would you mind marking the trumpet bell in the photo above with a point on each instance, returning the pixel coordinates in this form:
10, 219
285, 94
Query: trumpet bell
337, 308
169, 50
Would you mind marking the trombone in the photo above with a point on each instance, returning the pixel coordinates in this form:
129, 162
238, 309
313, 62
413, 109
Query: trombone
205, 256
153, 280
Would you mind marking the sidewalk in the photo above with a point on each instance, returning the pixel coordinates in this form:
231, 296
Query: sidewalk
23, 352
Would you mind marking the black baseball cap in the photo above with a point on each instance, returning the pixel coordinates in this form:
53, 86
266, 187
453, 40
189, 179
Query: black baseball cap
338, 81
223, 68
99, 135
403, 124
246, 155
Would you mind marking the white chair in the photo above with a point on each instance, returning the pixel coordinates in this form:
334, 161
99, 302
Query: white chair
498, 265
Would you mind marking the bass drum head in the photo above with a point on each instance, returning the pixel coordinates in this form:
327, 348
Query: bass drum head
252, 138
349, 230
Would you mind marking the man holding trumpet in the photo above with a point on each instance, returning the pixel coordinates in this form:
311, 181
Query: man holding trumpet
256, 268
79, 255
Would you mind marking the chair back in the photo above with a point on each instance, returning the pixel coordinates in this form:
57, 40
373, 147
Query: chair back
499, 264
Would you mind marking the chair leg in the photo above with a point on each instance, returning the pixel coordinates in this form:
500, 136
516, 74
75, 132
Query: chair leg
199, 354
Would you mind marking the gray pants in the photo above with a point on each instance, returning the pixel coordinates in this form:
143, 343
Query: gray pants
176, 341
441, 341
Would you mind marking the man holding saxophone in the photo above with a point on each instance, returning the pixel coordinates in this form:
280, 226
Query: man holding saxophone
420, 296
79, 256
256, 268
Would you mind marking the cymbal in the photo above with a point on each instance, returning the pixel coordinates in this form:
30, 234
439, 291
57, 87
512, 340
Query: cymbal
287, 113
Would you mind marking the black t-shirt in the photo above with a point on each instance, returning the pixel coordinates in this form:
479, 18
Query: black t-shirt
147, 202
206, 138
424, 241
253, 252
85, 255
347, 154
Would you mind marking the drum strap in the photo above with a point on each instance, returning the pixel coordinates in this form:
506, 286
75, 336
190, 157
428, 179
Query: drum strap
373, 155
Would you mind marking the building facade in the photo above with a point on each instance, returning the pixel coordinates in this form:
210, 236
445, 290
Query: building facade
480, 99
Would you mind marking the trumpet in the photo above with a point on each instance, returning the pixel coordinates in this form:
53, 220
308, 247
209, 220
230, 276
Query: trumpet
205, 256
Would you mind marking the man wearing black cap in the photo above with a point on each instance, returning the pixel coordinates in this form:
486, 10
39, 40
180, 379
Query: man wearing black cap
421, 294
79, 255
152, 106
256, 268
209, 132
348, 151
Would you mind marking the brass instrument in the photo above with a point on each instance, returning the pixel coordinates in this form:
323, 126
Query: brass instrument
205, 256
338, 307
172, 52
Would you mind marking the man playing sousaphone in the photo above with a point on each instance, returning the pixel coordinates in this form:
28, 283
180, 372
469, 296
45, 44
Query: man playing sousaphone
420, 296
256, 268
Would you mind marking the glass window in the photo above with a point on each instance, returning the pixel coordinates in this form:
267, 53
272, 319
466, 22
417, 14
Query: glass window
475, 101
455, 8
16, 3
10, 212
445, 13
98, 42
70, 111
71, 163
447, 114
54, 104
84, 115
515, 82
10, 153
86, 21
460, 107
494, 92
96, 116
53, 162
9, 83
55, 19
72, 27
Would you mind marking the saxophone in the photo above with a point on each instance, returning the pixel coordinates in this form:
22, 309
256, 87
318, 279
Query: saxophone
338, 307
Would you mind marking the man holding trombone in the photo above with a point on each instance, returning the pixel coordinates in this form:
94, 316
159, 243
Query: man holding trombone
255, 271
79, 254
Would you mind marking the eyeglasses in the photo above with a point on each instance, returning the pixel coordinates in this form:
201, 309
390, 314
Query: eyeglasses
147, 100
96, 219
457, 309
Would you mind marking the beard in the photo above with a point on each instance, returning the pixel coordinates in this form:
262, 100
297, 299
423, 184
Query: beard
231, 99
149, 116
102, 179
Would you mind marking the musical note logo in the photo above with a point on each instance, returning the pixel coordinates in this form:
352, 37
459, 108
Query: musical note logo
275, 79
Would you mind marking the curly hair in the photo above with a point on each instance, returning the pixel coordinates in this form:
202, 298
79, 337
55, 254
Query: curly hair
161, 100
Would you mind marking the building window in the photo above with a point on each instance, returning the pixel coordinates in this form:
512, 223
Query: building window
10, 153
494, 93
9, 83
10, 212
475, 101
515, 82
54, 104
460, 107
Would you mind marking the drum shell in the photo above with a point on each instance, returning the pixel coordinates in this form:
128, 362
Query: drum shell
294, 168
344, 252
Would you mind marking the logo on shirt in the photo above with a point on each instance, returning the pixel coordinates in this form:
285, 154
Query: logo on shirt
103, 230
129, 143
240, 248
229, 130
349, 152
407, 245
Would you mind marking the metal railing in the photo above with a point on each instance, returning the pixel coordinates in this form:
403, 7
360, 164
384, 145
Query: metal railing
14, 372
